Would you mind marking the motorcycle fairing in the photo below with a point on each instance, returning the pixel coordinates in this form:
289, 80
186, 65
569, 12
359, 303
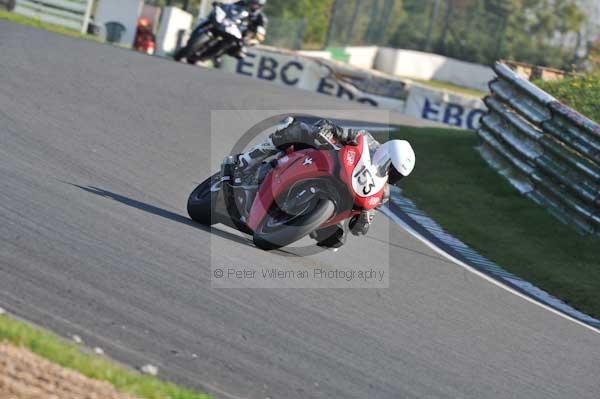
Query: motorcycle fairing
220, 14
230, 18
327, 166
359, 174
294, 167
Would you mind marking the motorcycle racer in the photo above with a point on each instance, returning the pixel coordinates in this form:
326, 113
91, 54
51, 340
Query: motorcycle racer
257, 26
394, 159
228, 30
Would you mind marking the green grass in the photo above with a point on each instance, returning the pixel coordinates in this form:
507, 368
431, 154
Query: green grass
56, 350
19, 19
436, 84
581, 93
456, 188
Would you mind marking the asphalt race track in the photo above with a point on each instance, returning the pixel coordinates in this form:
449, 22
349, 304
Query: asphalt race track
99, 148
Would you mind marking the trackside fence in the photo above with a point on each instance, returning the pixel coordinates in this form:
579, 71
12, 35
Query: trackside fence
548, 151
74, 14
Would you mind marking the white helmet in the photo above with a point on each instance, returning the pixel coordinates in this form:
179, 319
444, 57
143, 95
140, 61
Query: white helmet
395, 158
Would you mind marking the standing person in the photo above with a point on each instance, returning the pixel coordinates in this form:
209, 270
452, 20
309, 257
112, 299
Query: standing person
212, 39
145, 41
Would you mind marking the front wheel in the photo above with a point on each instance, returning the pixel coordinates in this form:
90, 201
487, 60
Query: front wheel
202, 201
280, 229
193, 49
181, 54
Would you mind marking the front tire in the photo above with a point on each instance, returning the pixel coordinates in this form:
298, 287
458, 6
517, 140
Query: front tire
202, 201
279, 229
195, 48
181, 54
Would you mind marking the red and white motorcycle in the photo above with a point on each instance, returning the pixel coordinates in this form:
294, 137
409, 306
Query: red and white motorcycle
298, 192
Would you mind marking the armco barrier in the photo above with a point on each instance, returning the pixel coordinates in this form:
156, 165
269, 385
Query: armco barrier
74, 14
548, 151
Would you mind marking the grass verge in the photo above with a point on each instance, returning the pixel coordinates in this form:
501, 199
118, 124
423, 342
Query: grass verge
19, 19
53, 348
581, 93
456, 188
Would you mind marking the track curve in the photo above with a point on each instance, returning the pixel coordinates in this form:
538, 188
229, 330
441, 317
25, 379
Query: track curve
99, 148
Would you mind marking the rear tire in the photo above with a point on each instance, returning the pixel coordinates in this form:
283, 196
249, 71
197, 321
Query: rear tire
202, 201
273, 233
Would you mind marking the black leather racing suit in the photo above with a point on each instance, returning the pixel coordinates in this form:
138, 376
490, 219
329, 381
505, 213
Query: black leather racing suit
257, 19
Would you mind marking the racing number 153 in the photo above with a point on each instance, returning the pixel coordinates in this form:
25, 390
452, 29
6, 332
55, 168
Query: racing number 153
365, 180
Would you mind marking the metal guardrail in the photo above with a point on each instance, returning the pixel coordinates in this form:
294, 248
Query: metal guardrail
74, 14
548, 151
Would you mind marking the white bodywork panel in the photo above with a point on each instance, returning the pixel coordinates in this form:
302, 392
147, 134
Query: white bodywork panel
365, 181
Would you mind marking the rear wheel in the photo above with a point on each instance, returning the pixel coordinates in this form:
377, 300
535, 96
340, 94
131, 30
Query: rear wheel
281, 228
202, 201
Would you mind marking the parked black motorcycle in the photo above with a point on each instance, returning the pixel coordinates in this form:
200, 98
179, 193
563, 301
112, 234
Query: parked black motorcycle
221, 31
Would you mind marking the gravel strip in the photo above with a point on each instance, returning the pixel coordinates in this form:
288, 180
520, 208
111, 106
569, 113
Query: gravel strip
24, 375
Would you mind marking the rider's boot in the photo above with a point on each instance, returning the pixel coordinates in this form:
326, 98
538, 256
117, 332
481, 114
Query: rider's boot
256, 154
332, 237
359, 225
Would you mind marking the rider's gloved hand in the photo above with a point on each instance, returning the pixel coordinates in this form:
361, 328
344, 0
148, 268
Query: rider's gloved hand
359, 225
349, 136
328, 131
323, 132
337, 134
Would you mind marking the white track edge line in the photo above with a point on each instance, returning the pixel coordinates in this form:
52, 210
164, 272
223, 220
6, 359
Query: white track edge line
388, 212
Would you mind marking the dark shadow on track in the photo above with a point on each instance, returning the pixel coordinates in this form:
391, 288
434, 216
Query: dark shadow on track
154, 210
299, 252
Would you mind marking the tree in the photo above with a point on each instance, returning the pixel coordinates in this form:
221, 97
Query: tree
544, 32
410, 33
594, 56
191, 5
537, 31
314, 16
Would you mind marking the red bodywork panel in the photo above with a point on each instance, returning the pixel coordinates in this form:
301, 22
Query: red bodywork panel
311, 164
